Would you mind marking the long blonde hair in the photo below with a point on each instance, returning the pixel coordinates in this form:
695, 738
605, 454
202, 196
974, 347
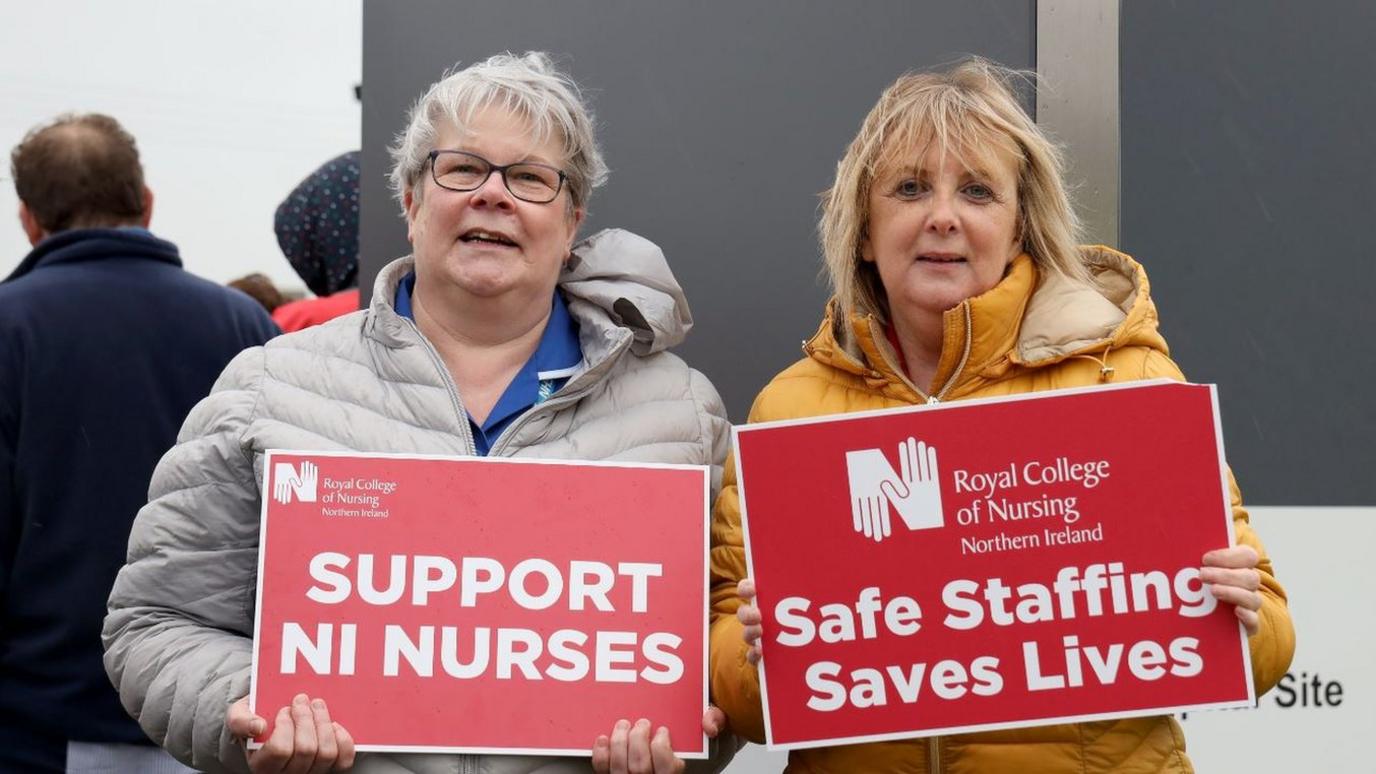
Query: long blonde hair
969, 109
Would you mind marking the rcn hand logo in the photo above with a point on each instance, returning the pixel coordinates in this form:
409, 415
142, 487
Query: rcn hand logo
288, 481
914, 491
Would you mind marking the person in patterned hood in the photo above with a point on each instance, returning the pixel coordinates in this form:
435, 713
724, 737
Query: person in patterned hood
317, 229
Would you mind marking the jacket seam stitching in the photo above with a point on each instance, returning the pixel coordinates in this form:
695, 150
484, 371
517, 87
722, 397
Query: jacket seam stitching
1084, 749
699, 412
253, 411
1178, 743
247, 454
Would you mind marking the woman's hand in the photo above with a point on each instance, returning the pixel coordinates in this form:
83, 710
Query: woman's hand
1233, 578
750, 617
304, 739
632, 750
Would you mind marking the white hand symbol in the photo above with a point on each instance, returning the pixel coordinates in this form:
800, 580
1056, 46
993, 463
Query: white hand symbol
287, 481
281, 488
917, 495
874, 486
868, 471
310, 474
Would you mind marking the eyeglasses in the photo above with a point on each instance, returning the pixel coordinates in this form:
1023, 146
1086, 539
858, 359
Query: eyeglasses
527, 181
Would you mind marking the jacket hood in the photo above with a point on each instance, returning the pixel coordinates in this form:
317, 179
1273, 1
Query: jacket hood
317, 226
1030, 319
1065, 318
626, 278
615, 282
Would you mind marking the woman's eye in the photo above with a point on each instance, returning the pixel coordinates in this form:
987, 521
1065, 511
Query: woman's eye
979, 191
907, 189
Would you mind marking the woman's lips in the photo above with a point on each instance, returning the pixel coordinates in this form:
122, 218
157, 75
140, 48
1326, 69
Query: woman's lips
489, 237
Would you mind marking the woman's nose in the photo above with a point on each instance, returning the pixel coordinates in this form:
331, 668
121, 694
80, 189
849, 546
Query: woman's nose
943, 219
493, 192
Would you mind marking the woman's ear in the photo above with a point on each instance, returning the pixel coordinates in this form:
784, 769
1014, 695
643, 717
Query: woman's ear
575, 222
410, 202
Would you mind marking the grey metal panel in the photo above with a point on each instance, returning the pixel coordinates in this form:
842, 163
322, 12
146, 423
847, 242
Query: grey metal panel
722, 121
1247, 193
1077, 59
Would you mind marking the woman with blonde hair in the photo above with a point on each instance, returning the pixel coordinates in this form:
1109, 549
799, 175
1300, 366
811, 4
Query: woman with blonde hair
951, 246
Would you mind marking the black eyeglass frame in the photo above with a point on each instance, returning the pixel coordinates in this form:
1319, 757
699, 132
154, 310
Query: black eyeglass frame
502, 168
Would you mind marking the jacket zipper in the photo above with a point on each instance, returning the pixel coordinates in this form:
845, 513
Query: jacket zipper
946, 388
460, 412
934, 743
467, 763
941, 394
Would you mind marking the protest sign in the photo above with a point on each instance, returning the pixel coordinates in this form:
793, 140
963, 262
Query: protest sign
990, 564
483, 605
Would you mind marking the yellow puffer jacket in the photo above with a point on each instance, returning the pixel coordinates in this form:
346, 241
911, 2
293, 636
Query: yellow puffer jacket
1022, 336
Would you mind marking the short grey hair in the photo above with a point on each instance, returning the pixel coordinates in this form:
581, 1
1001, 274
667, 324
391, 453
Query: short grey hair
529, 85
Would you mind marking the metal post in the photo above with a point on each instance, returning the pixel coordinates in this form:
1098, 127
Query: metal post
1077, 103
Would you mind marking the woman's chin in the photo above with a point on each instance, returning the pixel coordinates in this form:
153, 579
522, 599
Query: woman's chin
934, 297
483, 278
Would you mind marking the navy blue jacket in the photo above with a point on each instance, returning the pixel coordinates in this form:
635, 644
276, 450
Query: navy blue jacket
105, 345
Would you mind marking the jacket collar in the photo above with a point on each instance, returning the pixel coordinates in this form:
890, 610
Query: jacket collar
88, 244
1029, 319
618, 286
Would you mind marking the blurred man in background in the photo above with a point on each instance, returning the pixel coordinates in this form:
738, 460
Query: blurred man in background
105, 345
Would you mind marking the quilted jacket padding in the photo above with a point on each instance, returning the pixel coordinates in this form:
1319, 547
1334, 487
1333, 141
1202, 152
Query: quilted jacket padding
1025, 335
178, 634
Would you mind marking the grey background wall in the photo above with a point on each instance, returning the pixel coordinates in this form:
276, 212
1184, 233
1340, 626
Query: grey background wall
721, 120
1247, 167
1245, 171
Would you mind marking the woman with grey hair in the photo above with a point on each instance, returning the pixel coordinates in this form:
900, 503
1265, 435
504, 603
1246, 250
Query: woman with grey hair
499, 335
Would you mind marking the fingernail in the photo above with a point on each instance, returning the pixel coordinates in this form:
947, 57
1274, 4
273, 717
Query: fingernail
257, 727
643, 722
301, 698
318, 704
622, 725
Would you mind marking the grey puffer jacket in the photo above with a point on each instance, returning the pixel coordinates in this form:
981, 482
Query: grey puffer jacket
177, 636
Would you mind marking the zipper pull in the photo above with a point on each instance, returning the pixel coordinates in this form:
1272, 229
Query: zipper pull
932, 401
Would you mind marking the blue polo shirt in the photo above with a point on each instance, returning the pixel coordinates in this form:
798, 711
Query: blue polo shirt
555, 359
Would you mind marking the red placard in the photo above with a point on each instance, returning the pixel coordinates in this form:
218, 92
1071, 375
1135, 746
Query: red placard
443, 604
990, 564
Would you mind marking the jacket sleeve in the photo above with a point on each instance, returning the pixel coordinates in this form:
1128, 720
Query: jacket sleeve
735, 682
1273, 646
178, 634
716, 427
